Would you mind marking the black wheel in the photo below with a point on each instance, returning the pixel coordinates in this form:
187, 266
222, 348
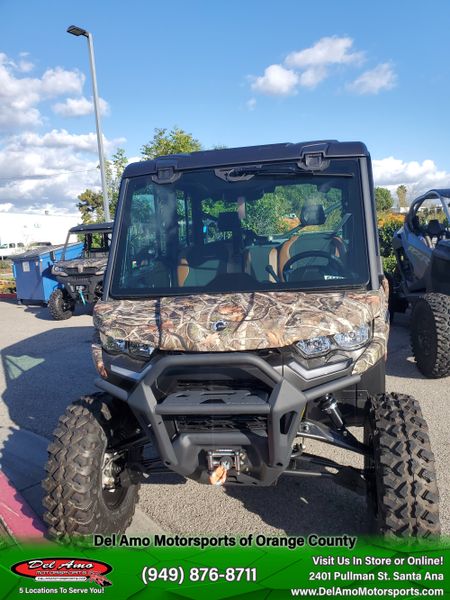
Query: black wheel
60, 306
430, 335
88, 486
401, 479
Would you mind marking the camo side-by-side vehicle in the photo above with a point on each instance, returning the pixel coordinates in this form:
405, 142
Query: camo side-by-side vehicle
81, 278
244, 312
422, 280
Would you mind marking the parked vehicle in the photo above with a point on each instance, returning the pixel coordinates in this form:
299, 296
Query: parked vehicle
81, 278
10, 249
32, 271
221, 350
422, 280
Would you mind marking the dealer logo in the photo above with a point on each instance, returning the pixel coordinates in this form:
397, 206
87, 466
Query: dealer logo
64, 569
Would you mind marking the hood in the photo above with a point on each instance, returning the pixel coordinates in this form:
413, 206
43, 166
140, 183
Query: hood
89, 263
247, 321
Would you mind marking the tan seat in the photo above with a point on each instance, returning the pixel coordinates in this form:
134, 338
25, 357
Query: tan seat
257, 258
199, 265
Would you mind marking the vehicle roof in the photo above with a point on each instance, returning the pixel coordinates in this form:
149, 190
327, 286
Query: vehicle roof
88, 227
246, 155
435, 192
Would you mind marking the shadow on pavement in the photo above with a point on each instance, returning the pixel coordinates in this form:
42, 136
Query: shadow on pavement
306, 506
43, 374
400, 360
42, 312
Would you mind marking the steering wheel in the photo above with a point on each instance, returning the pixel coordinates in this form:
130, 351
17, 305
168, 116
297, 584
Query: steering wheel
332, 261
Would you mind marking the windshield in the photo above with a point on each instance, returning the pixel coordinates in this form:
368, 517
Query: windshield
95, 243
270, 227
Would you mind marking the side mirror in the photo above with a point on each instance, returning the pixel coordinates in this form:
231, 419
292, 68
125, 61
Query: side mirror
52, 256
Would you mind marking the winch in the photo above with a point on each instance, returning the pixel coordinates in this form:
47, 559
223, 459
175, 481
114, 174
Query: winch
220, 461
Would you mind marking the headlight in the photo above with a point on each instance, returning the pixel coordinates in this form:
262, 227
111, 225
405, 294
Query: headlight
314, 346
354, 339
100, 271
60, 270
140, 350
111, 344
135, 349
350, 340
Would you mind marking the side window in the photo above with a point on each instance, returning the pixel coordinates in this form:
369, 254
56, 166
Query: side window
429, 210
142, 242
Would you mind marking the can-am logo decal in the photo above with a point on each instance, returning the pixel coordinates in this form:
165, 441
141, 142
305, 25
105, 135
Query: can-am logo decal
219, 326
64, 569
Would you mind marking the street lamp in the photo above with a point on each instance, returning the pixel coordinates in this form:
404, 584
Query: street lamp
74, 30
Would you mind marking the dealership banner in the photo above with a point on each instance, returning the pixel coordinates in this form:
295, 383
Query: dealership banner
213, 567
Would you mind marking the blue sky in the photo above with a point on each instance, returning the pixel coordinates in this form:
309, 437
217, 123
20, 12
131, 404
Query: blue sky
233, 73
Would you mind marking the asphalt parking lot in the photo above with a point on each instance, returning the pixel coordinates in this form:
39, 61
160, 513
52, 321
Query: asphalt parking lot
46, 364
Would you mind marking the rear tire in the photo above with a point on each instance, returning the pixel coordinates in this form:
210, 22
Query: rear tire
401, 478
60, 306
430, 335
77, 500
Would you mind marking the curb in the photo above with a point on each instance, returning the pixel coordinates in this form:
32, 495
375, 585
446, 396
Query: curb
16, 514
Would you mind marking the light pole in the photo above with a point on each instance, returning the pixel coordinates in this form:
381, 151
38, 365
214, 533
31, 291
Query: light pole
74, 30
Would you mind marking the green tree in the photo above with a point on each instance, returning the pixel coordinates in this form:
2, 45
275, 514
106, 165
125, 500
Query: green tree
166, 142
90, 203
383, 199
114, 169
90, 206
401, 194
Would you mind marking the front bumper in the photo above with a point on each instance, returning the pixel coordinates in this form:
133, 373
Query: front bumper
277, 410
85, 282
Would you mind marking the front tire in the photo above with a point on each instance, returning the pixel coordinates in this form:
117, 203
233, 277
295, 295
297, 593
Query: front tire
400, 471
83, 496
60, 306
430, 335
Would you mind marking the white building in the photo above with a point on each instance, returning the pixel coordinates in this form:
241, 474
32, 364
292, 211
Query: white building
27, 228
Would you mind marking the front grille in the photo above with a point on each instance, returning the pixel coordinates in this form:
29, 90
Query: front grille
79, 280
191, 424
73, 271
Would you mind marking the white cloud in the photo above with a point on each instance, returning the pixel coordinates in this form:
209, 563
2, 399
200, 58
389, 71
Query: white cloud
47, 170
58, 81
312, 76
276, 81
25, 65
20, 96
78, 107
382, 77
61, 138
327, 51
52, 169
418, 177
308, 67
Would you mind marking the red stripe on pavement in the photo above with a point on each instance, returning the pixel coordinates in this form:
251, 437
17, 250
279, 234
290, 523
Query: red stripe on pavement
16, 514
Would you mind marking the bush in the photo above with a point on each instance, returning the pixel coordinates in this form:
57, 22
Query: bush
388, 224
7, 286
5, 265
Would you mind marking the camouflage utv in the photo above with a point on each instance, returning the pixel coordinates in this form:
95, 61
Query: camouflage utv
81, 278
244, 313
